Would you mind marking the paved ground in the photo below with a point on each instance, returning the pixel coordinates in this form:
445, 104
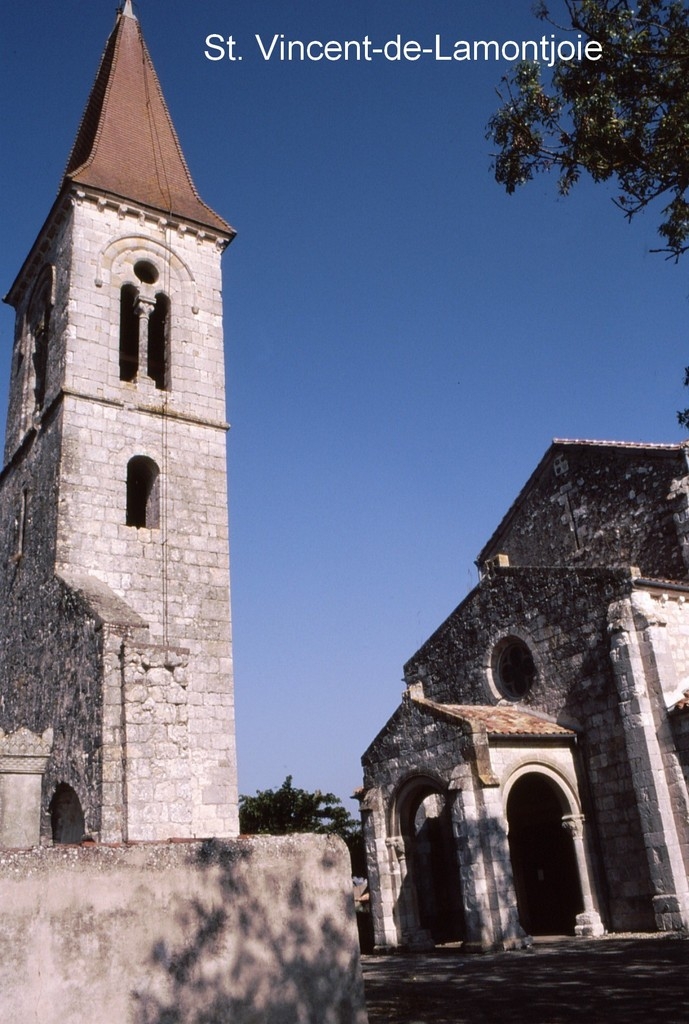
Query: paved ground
604, 981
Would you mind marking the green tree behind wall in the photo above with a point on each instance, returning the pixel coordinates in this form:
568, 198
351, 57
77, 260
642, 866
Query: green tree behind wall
278, 812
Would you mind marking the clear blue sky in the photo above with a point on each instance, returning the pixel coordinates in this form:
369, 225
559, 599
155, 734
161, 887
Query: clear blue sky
403, 339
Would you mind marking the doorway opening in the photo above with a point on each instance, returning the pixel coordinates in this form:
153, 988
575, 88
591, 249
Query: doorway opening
546, 876
433, 868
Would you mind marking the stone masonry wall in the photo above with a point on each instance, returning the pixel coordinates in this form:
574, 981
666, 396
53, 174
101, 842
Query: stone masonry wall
156, 742
599, 505
175, 572
674, 609
413, 742
47, 275
50, 641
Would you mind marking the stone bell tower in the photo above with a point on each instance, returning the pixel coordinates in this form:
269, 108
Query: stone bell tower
115, 637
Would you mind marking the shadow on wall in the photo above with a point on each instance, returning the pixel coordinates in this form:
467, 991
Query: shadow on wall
256, 950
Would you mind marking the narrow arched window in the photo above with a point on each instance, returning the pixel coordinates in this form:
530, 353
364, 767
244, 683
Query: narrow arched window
129, 333
143, 504
38, 323
66, 815
40, 356
158, 330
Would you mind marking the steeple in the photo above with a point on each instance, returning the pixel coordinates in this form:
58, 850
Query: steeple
126, 145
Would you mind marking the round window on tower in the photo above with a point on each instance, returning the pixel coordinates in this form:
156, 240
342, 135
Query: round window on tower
514, 671
146, 272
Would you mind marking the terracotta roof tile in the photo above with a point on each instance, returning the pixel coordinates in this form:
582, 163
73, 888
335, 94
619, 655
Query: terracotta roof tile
126, 144
497, 720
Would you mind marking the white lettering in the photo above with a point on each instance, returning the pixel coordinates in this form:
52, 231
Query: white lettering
267, 54
219, 46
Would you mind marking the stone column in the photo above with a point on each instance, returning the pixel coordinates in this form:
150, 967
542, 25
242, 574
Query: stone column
23, 759
144, 307
630, 653
114, 802
382, 885
490, 902
509, 933
409, 928
588, 923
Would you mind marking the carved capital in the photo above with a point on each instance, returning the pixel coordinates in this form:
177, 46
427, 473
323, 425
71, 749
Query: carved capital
144, 306
574, 824
396, 844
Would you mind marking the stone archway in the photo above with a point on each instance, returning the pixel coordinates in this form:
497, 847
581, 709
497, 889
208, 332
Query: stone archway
430, 899
544, 860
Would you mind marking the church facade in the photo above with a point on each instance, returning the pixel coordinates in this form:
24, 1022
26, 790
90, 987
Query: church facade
116, 685
534, 778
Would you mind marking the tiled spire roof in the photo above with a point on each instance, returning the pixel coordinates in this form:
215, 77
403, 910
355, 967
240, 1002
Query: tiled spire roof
126, 144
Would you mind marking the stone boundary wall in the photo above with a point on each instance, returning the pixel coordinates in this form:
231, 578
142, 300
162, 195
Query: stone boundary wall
257, 930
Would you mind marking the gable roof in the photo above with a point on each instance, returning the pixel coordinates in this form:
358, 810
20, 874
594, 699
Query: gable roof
126, 144
558, 447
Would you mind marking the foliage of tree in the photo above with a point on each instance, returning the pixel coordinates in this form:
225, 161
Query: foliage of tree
623, 118
278, 812
683, 414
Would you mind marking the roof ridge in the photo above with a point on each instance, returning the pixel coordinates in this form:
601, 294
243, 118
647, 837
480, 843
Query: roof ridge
652, 445
94, 108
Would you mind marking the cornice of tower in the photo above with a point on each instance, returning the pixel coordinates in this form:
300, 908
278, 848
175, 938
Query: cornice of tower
146, 217
36, 257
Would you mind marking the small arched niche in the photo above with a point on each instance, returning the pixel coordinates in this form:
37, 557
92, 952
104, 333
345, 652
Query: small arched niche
38, 325
66, 816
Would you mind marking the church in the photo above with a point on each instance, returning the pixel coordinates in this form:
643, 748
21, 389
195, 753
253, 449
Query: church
533, 780
116, 684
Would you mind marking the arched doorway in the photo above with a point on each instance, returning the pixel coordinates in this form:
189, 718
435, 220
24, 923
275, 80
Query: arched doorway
432, 868
66, 815
544, 865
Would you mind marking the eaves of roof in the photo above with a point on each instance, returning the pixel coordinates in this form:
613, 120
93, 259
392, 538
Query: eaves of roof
497, 720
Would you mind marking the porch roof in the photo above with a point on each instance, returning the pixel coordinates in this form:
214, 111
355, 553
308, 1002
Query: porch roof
496, 720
